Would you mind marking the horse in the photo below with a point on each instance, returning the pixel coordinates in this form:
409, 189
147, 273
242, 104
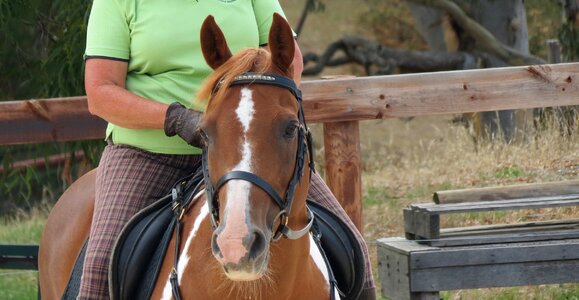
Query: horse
242, 238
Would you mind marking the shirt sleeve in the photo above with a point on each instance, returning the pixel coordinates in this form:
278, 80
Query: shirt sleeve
108, 32
264, 10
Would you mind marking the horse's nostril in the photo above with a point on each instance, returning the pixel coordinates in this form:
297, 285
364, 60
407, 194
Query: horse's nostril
215, 247
258, 245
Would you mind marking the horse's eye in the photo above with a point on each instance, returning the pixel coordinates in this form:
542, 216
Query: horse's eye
291, 130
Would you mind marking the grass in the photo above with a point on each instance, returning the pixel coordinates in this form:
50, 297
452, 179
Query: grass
23, 229
399, 171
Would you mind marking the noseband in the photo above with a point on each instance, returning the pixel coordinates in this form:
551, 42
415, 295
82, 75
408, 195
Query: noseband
304, 145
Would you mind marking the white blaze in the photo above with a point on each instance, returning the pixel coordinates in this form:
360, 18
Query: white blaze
240, 188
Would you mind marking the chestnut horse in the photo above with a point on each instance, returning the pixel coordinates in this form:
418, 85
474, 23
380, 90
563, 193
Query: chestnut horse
247, 237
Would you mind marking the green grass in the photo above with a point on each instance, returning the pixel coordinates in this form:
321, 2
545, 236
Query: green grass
25, 229
18, 285
508, 172
543, 292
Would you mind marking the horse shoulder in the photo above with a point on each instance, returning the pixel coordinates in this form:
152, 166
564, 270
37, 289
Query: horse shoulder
195, 242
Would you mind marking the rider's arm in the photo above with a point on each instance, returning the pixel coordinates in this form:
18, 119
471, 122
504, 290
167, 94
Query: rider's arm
108, 98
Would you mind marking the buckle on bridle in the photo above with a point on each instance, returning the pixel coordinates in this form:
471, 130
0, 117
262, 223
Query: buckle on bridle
177, 208
283, 221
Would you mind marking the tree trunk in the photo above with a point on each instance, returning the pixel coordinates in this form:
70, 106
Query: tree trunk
506, 20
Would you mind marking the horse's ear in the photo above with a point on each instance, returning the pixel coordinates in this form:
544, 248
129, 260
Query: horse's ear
281, 43
213, 44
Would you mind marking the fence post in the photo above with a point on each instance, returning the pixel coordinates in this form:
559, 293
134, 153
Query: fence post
343, 164
343, 170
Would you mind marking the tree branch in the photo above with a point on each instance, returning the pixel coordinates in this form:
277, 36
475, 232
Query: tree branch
378, 59
483, 37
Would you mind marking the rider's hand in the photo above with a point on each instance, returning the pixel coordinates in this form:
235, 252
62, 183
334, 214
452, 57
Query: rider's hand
183, 122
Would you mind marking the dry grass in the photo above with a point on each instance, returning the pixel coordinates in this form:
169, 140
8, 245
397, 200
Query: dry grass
406, 161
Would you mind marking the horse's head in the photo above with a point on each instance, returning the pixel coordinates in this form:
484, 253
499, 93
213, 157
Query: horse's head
256, 149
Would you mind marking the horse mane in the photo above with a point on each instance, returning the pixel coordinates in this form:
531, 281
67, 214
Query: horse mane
247, 60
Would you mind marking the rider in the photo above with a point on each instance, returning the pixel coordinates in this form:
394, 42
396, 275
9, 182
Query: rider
143, 67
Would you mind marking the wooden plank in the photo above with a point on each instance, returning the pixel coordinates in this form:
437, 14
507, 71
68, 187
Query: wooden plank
20, 257
364, 98
48, 120
19, 263
494, 254
392, 270
529, 203
433, 269
402, 245
570, 224
343, 171
409, 228
502, 238
393, 266
495, 275
18, 250
439, 93
426, 225
507, 192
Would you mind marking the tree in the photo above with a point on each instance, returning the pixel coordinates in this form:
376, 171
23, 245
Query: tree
460, 34
41, 57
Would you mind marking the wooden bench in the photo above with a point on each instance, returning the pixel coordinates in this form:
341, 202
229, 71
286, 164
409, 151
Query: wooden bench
432, 259
22, 257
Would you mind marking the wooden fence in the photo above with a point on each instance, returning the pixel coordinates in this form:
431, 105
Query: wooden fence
340, 104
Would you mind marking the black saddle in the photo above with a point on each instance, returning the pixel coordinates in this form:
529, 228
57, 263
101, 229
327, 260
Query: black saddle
341, 249
141, 247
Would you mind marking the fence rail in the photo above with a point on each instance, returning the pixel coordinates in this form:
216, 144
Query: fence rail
339, 104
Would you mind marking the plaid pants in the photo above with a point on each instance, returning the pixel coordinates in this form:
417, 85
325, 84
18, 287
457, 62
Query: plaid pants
128, 180
320, 193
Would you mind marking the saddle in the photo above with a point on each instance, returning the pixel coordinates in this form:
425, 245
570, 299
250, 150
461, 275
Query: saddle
141, 247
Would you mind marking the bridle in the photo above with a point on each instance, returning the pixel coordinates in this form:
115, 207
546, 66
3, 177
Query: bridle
305, 144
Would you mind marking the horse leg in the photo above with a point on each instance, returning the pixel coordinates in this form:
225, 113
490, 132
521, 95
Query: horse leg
64, 234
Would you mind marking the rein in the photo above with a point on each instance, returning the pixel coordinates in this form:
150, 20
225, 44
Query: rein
305, 145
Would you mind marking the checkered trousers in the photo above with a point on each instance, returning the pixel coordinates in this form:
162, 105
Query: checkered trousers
320, 193
128, 180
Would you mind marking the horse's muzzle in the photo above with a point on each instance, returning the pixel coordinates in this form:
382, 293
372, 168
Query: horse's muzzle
242, 259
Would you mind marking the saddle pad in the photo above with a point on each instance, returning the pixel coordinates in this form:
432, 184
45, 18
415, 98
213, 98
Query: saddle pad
73, 285
342, 250
140, 249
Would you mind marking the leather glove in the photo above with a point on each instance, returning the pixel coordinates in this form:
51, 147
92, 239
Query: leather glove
183, 122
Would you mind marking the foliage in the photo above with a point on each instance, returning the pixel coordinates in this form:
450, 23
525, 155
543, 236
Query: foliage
569, 37
23, 188
390, 21
315, 6
41, 57
543, 22
45, 42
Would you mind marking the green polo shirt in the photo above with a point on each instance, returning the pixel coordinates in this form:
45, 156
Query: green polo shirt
159, 39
